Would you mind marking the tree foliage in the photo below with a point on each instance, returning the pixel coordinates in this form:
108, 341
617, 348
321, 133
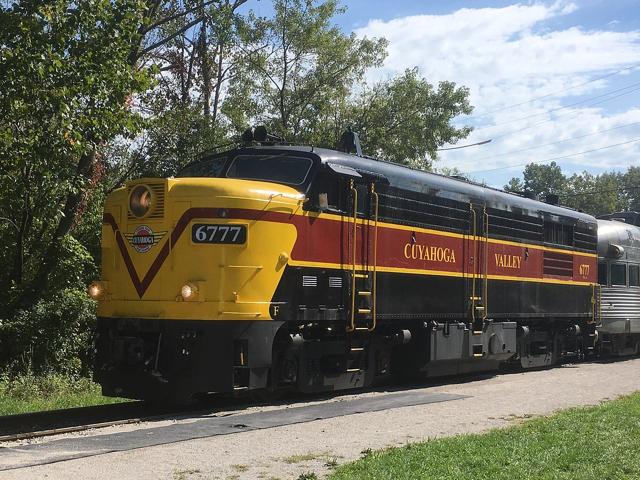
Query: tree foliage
406, 119
195, 65
66, 89
595, 194
66, 86
305, 65
96, 92
539, 181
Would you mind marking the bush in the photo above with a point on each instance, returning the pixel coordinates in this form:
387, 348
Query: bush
29, 386
55, 335
36, 393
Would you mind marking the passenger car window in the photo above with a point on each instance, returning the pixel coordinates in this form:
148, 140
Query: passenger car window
618, 274
602, 273
634, 275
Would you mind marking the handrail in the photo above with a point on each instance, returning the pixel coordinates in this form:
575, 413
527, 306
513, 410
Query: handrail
486, 264
352, 325
473, 269
593, 303
374, 290
600, 302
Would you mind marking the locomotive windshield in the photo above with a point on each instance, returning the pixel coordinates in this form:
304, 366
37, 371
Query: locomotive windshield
281, 168
209, 167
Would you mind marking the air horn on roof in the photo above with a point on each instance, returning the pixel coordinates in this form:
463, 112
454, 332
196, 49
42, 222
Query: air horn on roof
260, 135
350, 142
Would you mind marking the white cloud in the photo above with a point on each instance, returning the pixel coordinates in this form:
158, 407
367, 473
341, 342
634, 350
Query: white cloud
514, 54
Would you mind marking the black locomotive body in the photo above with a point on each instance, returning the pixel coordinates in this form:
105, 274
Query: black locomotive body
356, 269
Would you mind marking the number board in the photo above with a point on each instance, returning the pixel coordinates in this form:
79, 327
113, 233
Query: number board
225, 233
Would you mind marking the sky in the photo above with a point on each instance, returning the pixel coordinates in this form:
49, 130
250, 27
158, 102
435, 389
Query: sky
549, 80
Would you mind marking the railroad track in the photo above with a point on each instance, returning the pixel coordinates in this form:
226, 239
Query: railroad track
33, 425
53, 422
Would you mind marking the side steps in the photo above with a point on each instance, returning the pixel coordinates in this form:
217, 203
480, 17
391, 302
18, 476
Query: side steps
356, 359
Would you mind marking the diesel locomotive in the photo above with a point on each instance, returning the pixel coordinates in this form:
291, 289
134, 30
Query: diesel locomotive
273, 266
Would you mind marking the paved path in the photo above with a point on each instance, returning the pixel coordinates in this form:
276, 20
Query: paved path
287, 451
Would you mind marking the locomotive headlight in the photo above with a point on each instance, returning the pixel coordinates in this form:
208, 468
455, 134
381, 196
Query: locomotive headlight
96, 290
140, 200
189, 291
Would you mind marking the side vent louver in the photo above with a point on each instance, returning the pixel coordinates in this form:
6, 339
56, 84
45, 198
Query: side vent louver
558, 264
335, 282
309, 281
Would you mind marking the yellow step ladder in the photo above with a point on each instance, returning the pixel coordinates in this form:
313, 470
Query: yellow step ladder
367, 272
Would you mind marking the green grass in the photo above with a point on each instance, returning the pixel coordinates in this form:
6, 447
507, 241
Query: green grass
593, 443
31, 393
305, 457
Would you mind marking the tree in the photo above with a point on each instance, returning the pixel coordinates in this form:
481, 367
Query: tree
630, 186
196, 64
301, 76
600, 194
515, 185
405, 119
67, 83
303, 67
539, 180
595, 194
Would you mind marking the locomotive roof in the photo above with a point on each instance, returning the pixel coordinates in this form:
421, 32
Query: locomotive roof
629, 217
440, 185
618, 233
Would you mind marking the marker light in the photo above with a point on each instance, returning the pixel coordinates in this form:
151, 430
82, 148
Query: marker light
140, 200
96, 290
189, 291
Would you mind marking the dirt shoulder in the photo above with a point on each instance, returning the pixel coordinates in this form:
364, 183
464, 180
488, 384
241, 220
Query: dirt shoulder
286, 452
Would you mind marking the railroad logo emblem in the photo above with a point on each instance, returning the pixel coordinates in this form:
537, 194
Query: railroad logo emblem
143, 238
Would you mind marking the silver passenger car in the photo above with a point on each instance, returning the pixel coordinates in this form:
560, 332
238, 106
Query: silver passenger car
619, 279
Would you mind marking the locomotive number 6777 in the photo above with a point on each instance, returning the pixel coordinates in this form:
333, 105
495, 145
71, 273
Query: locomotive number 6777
277, 266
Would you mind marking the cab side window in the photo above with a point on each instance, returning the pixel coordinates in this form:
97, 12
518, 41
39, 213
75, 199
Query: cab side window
618, 274
328, 192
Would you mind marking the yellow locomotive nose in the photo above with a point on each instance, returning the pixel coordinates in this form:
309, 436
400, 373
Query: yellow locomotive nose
196, 248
